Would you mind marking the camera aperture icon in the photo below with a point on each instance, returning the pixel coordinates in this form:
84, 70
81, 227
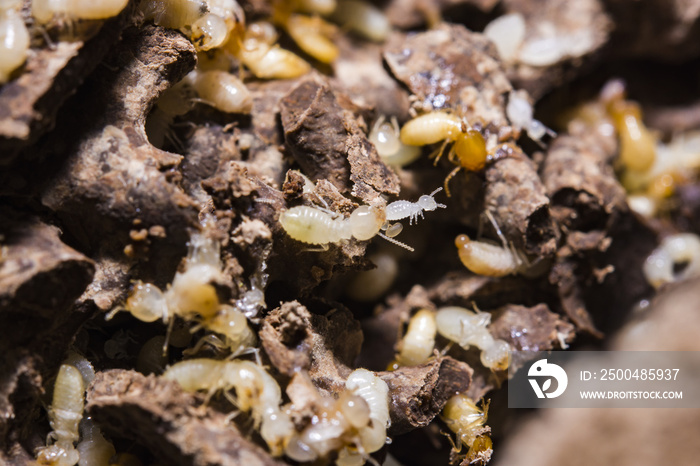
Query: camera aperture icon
542, 368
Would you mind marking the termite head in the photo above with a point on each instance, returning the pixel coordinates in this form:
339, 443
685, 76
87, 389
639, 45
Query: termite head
462, 242
427, 201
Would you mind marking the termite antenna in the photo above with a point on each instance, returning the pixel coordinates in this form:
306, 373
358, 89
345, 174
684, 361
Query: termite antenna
396, 242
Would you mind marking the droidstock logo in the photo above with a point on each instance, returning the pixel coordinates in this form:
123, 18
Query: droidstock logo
544, 369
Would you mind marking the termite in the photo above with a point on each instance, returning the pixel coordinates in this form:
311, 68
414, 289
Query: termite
65, 414
637, 143
221, 90
14, 39
520, 113
193, 297
468, 421
673, 250
255, 47
354, 424
468, 328
311, 33
488, 259
256, 391
398, 210
208, 24
417, 345
45, 10
313, 225
363, 18
385, 137
468, 150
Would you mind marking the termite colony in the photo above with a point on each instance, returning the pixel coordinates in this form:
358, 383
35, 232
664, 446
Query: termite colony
207, 323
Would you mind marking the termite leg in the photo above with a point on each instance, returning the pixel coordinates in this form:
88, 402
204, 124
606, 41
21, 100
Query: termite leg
447, 180
438, 154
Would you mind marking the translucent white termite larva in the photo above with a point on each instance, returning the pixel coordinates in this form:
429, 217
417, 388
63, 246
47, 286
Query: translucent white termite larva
14, 39
222, 90
363, 18
412, 210
674, 249
419, 341
468, 328
255, 389
65, 414
519, 111
488, 259
44, 10
385, 137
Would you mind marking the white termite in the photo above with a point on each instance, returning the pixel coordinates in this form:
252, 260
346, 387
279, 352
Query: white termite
385, 137
256, 391
520, 113
412, 210
94, 449
64, 416
468, 328
675, 249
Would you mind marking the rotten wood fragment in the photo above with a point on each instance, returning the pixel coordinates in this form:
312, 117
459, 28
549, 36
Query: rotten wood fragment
450, 67
28, 104
326, 346
419, 393
158, 414
585, 194
113, 176
518, 201
531, 328
327, 142
39, 274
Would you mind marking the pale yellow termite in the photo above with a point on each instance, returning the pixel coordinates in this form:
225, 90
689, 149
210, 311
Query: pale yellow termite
468, 328
193, 297
362, 18
468, 421
221, 90
14, 39
488, 259
255, 47
418, 343
45, 10
256, 391
65, 414
469, 147
355, 423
